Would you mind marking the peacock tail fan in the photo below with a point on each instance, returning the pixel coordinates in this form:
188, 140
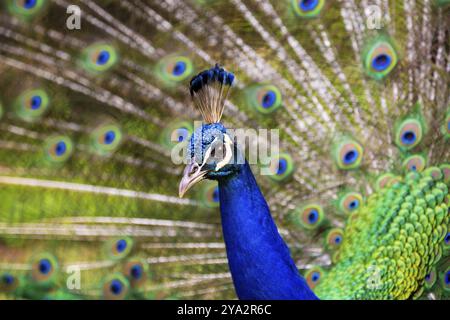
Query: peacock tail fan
95, 120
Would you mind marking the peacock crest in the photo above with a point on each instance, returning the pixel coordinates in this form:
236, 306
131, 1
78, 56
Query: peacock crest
209, 91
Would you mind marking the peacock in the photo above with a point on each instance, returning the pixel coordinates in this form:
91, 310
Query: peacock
123, 175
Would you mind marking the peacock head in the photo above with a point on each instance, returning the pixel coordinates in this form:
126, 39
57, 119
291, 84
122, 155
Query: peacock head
211, 152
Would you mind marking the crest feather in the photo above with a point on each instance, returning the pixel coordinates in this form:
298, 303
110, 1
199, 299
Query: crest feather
209, 91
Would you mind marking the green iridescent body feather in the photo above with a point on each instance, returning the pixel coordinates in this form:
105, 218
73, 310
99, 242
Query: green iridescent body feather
392, 242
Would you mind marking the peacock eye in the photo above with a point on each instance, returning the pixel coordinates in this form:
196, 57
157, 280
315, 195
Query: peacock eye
31, 105
309, 216
44, 268
102, 57
380, 58
119, 248
414, 163
334, 238
307, 8
313, 276
282, 167
180, 134
409, 133
348, 154
173, 69
8, 282
58, 149
350, 202
136, 272
25, 8
29, 4
99, 57
8, 279
106, 138
175, 132
115, 287
264, 98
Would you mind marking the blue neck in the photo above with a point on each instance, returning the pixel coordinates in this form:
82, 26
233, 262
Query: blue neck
259, 260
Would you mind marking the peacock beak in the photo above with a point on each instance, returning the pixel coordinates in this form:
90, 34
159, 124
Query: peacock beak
193, 173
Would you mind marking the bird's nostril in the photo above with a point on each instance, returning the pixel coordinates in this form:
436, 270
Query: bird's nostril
194, 170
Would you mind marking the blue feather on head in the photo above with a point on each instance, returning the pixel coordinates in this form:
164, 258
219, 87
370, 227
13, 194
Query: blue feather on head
251, 238
211, 150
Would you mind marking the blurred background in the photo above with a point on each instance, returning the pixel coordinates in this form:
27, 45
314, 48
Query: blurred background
94, 96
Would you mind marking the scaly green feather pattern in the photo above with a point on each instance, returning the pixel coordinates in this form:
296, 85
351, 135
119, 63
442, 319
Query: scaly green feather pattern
393, 242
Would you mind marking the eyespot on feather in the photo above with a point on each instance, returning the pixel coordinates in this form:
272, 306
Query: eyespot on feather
44, 268
314, 276
347, 154
25, 8
414, 163
176, 132
310, 216
119, 247
174, 69
136, 272
106, 138
99, 57
8, 282
281, 167
58, 149
264, 98
350, 202
409, 133
379, 57
307, 9
32, 104
115, 287
334, 238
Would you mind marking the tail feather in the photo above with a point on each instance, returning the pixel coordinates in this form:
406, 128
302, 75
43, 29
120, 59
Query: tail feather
89, 119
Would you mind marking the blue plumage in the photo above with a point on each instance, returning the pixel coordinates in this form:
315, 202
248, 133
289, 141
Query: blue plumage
259, 259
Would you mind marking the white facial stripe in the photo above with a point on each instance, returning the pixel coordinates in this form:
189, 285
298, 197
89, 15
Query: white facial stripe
228, 153
208, 152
